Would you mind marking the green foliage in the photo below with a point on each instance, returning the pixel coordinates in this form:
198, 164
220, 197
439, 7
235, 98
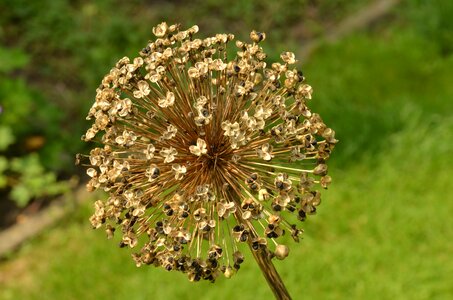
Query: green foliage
25, 111
25, 176
16, 97
3, 168
12, 59
26, 179
24, 114
33, 181
432, 18
6, 137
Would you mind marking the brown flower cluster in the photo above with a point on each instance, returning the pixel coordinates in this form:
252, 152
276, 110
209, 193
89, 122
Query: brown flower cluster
201, 153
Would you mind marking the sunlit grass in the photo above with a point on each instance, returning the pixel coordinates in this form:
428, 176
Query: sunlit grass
362, 84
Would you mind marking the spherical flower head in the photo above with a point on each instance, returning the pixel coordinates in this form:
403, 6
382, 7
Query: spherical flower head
200, 154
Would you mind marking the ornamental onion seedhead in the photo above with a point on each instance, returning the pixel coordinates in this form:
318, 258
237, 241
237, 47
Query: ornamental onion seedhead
200, 153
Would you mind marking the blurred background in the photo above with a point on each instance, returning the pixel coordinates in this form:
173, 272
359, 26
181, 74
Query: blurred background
382, 79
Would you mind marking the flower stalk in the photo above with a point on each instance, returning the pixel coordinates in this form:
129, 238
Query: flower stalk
273, 279
263, 258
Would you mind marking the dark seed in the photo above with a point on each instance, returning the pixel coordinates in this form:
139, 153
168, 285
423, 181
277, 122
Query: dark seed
260, 36
302, 215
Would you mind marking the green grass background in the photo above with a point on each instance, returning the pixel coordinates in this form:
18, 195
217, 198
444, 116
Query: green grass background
384, 229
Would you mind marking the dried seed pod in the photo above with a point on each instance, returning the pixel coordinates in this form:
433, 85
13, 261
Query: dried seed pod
281, 251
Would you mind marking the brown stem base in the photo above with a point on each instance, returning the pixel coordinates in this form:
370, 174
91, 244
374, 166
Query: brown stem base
270, 273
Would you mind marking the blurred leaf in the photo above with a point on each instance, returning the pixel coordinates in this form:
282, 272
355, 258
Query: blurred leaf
3, 181
3, 164
28, 165
21, 195
6, 138
34, 181
3, 167
11, 59
17, 103
28, 114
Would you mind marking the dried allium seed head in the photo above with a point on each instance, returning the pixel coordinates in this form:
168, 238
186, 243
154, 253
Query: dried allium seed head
200, 153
